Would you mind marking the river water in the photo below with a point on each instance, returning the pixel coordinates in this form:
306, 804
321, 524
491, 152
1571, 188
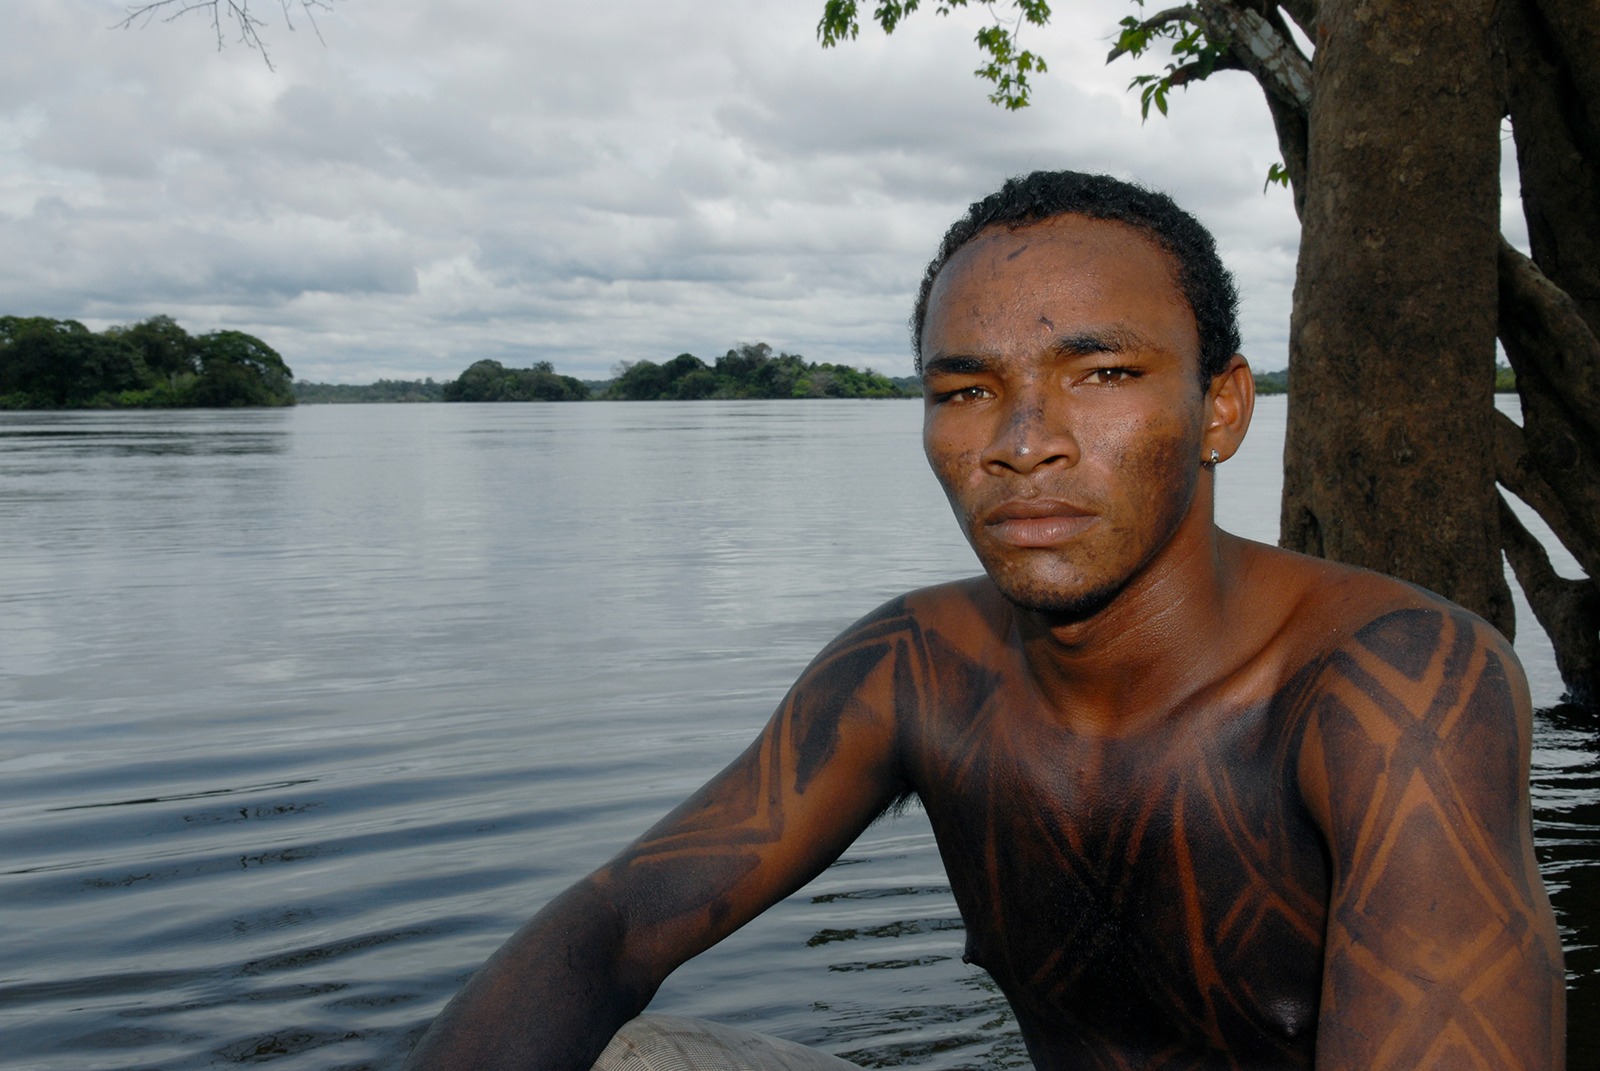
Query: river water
304, 711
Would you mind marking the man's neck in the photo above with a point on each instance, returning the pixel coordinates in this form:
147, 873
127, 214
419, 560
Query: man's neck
1160, 640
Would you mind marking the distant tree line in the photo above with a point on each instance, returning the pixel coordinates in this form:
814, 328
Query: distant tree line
750, 371
747, 371
384, 390
1272, 382
491, 381
61, 364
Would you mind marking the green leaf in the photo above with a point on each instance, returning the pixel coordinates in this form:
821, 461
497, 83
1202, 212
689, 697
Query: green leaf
1008, 66
1134, 39
839, 23
1194, 55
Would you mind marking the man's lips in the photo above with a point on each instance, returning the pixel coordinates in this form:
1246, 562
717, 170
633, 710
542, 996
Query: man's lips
1035, 522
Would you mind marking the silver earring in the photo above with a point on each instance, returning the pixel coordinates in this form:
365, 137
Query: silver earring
1211, 462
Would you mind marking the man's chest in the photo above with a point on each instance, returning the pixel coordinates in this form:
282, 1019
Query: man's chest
1166, 893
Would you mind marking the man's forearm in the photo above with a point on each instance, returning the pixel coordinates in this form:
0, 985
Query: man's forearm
548, 1000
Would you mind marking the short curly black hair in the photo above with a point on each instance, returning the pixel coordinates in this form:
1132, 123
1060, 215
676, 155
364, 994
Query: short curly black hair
1206, 284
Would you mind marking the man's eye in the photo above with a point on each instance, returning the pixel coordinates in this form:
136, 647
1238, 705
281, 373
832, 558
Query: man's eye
1113, 375
962, 394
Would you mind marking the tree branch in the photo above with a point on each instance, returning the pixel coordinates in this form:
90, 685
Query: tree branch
1546, 337
237, 11
1262, 49
1294, 138
1514, 470
1159, 20
1576, 34
1557, 361
1568, 610
1556, 125
1193, 72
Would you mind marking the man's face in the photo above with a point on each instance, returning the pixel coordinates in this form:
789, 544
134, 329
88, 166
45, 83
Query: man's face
1063, 411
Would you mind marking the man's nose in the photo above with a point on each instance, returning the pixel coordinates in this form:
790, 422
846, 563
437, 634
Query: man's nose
1031, 436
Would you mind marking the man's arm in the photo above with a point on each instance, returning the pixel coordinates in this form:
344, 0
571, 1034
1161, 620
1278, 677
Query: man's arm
823, 768
1441, 946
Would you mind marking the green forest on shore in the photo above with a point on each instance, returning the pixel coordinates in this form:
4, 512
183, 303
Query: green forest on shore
751, 370
61, 364
153, 364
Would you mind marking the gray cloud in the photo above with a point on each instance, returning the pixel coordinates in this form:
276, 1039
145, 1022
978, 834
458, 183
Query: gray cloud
576, 183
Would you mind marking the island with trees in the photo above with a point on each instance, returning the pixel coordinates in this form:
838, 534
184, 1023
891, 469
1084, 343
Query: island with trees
750, 370
153, 364
491, 381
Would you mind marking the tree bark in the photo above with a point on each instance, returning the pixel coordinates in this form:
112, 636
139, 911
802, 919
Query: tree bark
1553, 98
1389, 459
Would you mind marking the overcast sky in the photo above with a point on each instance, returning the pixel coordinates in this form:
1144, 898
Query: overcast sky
433, 183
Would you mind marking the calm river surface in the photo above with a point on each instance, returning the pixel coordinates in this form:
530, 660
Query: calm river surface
304, 711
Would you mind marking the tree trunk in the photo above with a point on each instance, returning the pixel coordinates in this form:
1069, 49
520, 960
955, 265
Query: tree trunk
1389, 459
1552, 95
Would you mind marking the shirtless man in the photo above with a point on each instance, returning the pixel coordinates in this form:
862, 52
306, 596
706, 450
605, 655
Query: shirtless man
1203, 803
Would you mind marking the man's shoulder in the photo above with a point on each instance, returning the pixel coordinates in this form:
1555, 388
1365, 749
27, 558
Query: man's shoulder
1374, 665
1385, 667
1335, 610
938, 628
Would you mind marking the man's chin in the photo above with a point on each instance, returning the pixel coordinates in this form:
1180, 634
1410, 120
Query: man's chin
1058, 605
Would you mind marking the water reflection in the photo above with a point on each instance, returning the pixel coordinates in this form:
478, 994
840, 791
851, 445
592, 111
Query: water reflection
1566, 805
189, 433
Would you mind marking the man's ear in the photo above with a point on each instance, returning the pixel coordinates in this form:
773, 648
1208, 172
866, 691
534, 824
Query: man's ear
1230, 400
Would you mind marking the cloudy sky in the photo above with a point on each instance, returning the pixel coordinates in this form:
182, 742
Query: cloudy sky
584, 183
